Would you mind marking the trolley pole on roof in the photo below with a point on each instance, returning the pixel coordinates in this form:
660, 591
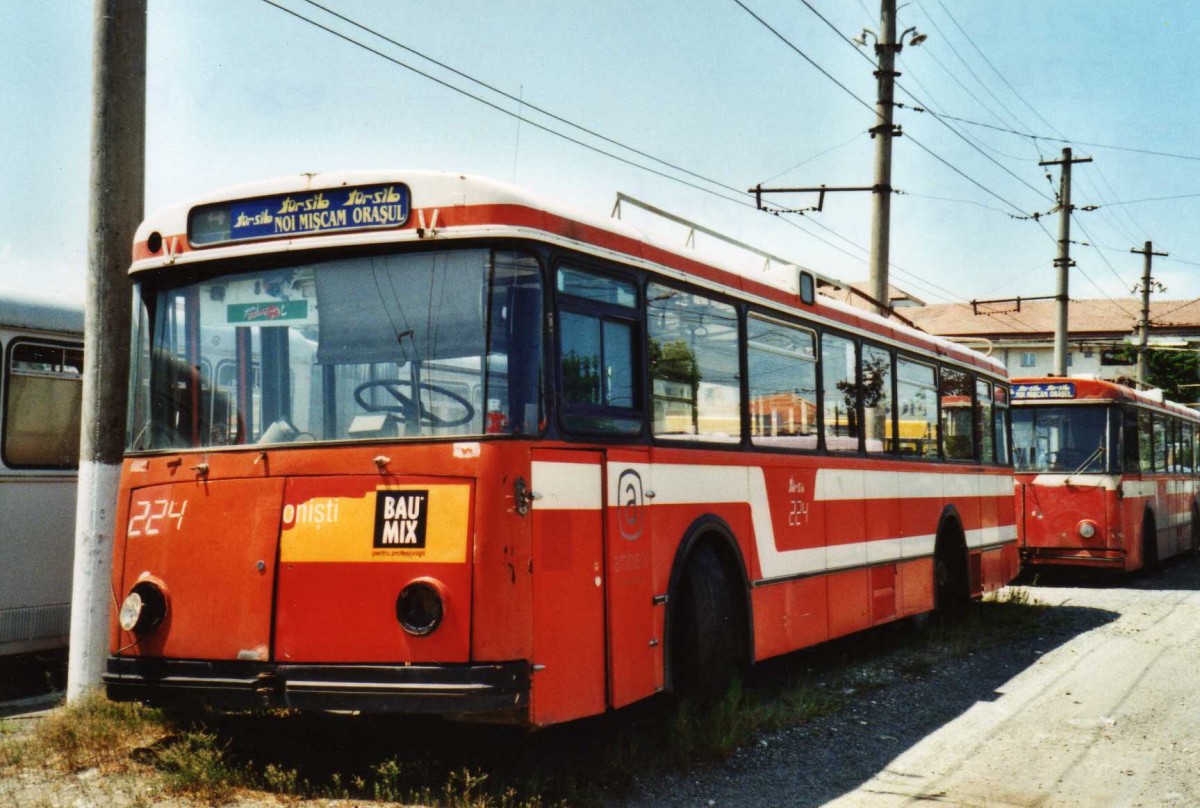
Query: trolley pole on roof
1063, 261
114, 210
1148, 284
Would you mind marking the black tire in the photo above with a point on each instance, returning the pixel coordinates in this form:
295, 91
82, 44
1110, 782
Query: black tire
1194, 547
1149, 544
707, 637
951, 583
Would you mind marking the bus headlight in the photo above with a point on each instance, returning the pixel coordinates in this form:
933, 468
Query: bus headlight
419, 608
1087, 529
144, 609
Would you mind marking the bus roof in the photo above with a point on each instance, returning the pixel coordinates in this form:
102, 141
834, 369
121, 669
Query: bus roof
476, 207
1085, 389
41, 311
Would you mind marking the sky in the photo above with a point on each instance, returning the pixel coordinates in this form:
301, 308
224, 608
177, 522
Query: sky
239, 91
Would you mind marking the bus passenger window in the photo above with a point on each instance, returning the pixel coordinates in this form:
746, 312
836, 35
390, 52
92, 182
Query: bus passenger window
694, 366
783, 384
916, 395
983, 423
1145, 433
878, 422
42, 405
956, 393
1000, 421
839, 386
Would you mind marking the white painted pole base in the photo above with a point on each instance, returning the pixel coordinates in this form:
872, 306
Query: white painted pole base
91, 589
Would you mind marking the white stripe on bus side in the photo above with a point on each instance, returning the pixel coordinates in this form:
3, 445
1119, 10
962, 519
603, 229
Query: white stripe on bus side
576, 486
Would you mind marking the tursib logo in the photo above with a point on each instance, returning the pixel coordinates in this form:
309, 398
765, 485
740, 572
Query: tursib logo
400, 518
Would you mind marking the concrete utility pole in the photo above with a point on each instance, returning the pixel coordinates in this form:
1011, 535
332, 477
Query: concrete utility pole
1063, 262
883, 131
1143, 357
115, 208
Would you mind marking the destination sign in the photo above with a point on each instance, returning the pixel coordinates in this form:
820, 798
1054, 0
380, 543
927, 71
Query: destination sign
1043, 392
300, 214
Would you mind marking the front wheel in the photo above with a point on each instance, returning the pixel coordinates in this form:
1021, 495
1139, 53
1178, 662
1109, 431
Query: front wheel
708, 649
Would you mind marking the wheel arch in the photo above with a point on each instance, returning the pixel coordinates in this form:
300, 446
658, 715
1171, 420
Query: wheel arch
709, 529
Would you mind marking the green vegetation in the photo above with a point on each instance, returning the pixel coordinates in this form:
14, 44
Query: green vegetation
212, 758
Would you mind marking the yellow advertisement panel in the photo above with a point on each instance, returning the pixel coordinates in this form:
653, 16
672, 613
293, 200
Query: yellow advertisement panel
393, 523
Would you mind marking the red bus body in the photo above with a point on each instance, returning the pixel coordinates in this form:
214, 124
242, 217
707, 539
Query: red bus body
555, 563
1123, 507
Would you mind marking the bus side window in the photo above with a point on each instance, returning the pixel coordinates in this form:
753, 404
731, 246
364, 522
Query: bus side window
694, 366
42, 405
841, 393
1129, 441
984, 450
878, 417
1000, 421
956, 394
916, 395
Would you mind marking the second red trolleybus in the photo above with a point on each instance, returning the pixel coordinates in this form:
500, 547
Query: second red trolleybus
1106, 475
422, 442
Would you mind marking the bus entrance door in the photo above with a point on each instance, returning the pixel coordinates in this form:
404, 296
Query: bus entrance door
568, 585
635, 668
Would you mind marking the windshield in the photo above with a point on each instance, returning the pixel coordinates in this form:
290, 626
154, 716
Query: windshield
424, 344
1060, 439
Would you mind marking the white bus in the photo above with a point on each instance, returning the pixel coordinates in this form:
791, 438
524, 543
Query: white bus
41, 363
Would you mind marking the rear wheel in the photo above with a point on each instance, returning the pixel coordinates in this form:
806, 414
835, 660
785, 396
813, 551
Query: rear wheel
708, 646
1149, 543
952, 592
1194, 547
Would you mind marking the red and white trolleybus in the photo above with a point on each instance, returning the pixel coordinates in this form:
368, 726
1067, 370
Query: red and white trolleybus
1105, 474
422, 442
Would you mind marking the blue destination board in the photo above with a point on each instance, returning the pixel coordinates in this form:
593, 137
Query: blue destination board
1043, 392
300, 214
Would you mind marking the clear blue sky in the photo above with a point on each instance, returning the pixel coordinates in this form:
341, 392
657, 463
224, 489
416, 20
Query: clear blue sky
238, 91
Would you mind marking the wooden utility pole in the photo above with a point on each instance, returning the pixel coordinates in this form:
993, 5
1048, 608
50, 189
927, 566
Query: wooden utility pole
1143, 357
115, 208
1063, 261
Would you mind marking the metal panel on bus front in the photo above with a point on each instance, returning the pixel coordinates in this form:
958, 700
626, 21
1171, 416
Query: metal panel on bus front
211, 547
348, 547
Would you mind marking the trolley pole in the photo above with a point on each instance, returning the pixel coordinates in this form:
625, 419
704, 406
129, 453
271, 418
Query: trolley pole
883, 132
1143, 357
1063, 261
115, 208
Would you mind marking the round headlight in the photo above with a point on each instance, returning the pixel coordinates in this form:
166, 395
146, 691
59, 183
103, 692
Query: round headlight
144, 609
419, 608
1087, 529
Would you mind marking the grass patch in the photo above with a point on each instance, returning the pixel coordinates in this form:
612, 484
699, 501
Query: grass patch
92, 732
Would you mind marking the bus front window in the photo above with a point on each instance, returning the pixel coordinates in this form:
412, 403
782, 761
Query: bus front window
1060, 439
429, 344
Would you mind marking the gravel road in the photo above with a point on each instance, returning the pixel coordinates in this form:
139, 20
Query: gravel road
1100, 710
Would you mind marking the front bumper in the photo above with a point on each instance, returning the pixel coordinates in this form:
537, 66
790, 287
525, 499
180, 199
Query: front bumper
501, 687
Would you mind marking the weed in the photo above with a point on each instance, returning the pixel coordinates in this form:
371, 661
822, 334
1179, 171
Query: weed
94, 731
196, 764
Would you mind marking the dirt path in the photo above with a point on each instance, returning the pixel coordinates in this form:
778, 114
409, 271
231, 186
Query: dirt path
1109, 718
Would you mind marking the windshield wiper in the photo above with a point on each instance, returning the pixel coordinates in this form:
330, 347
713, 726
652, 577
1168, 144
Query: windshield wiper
1087, 462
